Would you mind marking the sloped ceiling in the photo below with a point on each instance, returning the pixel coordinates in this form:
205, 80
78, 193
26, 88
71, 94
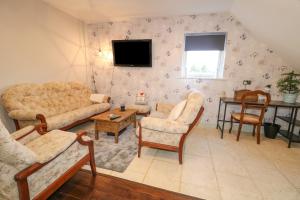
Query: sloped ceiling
275, 22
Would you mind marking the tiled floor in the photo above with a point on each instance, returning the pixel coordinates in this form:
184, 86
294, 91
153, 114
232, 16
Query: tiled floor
222, 169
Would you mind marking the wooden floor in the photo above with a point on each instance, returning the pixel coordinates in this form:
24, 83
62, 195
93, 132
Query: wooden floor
103, 187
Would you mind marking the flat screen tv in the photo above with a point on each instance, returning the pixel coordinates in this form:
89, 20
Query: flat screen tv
132, 53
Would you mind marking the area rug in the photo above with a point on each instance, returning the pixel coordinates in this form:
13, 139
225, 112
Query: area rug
112, 156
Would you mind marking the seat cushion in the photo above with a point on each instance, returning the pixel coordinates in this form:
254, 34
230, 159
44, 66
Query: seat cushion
159, 137
62, 120
163, 125
51, 144
248, 118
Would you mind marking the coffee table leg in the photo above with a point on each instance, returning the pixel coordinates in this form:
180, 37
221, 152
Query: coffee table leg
96, 134
116, 137
134, 121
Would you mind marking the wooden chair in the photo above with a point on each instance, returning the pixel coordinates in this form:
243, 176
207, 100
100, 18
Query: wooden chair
246, 118
161, 133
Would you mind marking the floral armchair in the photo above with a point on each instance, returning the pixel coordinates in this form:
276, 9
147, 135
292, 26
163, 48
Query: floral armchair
162, 132
33, 164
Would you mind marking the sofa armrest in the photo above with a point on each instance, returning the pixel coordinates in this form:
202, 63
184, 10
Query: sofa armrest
106, 99
164, 107
163, 125
22, 115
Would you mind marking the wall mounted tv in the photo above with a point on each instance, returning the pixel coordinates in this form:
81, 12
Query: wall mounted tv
132, 53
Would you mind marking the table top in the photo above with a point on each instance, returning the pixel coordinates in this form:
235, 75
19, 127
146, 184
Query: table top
272, 103
124, 115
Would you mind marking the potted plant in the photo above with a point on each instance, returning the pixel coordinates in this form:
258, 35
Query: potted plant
288, 85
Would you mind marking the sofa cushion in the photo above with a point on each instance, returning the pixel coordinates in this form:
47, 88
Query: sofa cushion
51, 144
177, 110
159, 137
14, 153
62, 120
192, 108
163, 125
24, 101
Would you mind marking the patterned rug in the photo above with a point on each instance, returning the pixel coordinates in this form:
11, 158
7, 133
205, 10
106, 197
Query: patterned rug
112, 156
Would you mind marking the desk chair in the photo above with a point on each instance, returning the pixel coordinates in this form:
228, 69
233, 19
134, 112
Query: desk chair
246, 118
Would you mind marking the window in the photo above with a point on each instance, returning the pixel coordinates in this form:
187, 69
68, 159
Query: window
204, 55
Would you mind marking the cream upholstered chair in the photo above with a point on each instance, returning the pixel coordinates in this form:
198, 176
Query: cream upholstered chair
34, 164
157, 131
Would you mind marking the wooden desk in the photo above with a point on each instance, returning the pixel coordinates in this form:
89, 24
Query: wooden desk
291, 120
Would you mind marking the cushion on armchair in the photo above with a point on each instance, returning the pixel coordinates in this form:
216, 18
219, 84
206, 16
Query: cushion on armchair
177, 110
163, 125
193, 106
13, 152
51, 144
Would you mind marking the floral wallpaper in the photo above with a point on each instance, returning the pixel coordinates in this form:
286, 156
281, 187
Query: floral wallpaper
245, 59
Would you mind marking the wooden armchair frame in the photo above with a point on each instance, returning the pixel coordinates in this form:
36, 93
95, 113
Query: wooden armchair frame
21, 177
178, 148
248, 104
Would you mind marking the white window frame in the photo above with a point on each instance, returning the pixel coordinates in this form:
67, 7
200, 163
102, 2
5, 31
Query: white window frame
221, 64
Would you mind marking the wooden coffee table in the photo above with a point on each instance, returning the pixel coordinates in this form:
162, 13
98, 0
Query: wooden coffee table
104, 124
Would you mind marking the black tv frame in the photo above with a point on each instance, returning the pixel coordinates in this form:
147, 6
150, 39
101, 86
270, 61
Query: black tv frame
133, 40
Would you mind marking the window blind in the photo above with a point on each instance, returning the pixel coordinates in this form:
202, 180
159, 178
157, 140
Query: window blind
205, 42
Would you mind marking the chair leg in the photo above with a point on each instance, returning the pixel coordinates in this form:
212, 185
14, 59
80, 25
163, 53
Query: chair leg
231, 122
92, 159
239, 132
253, 131
180, 156
258, 134
139, 150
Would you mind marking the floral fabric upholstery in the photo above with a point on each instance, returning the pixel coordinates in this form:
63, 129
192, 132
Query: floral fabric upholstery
51, 144
163, 125
193, 106
65, 119
159, 137
23, 102
14, 157
164, 131
164, 107
157, 114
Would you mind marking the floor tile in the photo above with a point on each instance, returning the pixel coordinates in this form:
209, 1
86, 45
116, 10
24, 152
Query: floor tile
130, 175
203, 192
237, 187
198, 171
164, 175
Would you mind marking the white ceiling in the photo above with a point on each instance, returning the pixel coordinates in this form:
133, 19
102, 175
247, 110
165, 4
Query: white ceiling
92, 11
275, 22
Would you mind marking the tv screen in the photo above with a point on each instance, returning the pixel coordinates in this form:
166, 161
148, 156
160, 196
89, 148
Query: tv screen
132, 53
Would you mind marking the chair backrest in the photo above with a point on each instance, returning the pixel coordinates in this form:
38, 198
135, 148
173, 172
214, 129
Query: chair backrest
193, 105
257, 104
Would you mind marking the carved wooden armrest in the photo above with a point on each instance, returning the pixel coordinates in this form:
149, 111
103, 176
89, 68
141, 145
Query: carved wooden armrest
43, 121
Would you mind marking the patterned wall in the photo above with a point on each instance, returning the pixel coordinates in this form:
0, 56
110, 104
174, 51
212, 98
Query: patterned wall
246, 58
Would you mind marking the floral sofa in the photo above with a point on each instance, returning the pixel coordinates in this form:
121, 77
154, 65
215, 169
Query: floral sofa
58, 105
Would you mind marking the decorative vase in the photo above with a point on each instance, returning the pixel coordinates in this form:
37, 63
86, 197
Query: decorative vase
290, 98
